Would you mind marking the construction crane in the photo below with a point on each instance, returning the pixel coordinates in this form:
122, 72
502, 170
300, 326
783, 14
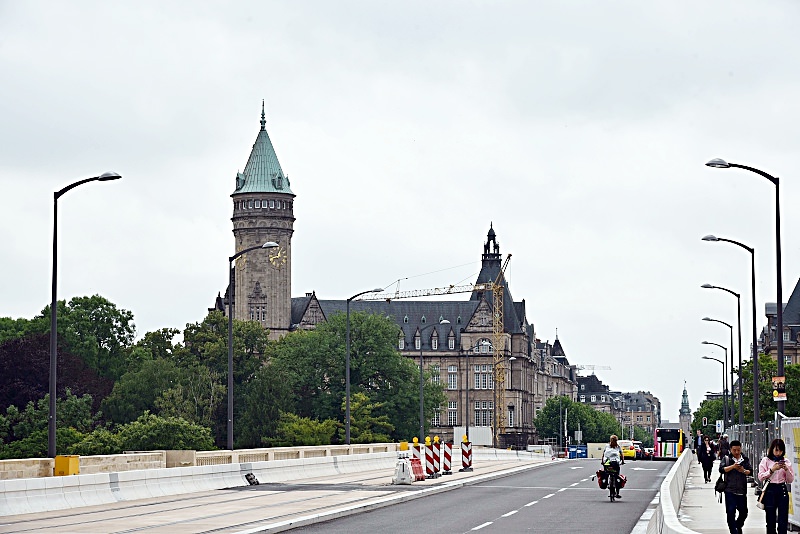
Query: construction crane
592, 368
497, 287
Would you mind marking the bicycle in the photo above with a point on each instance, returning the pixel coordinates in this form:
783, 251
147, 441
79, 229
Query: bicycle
612, 473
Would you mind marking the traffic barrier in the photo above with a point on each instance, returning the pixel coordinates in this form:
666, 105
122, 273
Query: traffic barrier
416, 451
429, 472
466, 456
447, 454
402, 471
416, 469
437, 458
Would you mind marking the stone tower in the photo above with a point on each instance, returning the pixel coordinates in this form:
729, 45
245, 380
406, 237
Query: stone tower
263, 211
685, 415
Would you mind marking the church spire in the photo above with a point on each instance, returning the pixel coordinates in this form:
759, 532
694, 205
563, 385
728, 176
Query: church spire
263, 173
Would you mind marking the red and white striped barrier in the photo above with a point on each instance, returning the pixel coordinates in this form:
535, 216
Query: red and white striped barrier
447, 455
466, 456
429, 471
437, 459
416, 452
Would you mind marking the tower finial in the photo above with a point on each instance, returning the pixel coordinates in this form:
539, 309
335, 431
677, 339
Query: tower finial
263, 117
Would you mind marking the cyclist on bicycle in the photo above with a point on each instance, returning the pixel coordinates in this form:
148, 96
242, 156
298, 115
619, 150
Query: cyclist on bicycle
612, 459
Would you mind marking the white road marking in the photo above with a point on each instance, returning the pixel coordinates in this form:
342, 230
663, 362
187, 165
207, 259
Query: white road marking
643, 469
531, 503
577, 467
562, 489
574, 484
584, 479
548, 496
512, 512
483, 525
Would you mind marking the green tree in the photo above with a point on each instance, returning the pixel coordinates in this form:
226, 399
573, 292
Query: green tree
293, 430
197, 397
266, 396
137, 391
711, 409
151, 432
364, 426
94, 329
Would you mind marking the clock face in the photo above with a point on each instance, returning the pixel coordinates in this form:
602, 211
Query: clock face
277, 257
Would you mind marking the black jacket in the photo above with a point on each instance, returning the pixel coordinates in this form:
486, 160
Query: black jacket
704, 456
737, 482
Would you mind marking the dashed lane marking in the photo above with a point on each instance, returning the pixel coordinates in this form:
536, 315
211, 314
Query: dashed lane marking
531, 503
548, 496
574, 484
483, 525
562, 489
512, 512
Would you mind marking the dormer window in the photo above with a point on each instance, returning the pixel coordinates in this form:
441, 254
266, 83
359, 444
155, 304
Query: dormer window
405, 319
401, 342
423, 320
417, 342
458, 321
435, 342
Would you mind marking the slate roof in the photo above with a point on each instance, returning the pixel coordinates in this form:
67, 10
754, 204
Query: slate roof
791, 311
414, 311
263, 173
299, 307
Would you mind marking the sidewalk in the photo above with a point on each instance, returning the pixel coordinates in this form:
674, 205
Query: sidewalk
701, 511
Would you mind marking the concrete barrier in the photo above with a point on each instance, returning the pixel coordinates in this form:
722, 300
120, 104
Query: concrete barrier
665, 518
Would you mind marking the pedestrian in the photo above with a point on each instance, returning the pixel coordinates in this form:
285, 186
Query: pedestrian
707, 453
698, 442
724, 447
736, 468
777, 471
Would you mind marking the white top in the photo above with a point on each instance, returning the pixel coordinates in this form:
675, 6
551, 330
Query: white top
612, 454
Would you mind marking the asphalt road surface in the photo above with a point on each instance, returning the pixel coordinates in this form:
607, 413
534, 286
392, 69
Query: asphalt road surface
555, 498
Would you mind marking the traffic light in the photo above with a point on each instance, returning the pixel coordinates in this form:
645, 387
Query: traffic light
705, 421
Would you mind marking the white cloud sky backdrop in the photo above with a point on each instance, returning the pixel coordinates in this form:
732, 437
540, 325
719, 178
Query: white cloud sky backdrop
579, 129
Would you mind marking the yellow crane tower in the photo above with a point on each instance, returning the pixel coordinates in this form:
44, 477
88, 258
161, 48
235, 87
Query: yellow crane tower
497, 287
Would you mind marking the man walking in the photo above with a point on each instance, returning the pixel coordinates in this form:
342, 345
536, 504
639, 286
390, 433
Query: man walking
736, 468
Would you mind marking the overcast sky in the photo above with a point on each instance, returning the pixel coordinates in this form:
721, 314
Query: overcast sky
579, 129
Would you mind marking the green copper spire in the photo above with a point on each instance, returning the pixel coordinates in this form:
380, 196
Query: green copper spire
263, 173
685, 410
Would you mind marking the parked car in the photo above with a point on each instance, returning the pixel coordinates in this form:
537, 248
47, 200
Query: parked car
649, 453
639, 451
628, 450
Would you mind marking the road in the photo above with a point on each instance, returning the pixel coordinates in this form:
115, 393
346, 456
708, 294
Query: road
555, 498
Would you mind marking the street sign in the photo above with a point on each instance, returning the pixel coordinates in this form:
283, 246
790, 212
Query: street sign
720, 426
578, 436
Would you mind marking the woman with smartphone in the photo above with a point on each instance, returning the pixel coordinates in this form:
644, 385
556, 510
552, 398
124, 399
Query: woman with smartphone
775, 468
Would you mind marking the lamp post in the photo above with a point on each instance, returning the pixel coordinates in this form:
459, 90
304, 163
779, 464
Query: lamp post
723, 382
347, 366
422, 381
741, 417
51, 423
231, 297
722, 164
754, 347
725, 397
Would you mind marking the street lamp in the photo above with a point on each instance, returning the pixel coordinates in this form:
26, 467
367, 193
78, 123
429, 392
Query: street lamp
741, 420
722, 164
347, 366
480, 343
422, 381
724, 417
51, 423
725, 383
754, 348
231, 296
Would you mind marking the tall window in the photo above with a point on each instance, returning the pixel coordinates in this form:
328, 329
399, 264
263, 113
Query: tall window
452, 413
483, 346
484, 413
785, 335
510, 416
484, 378
434, 342
401, 343
417, 342
451, 343
436, 373
436, 420
594, 398
583, 398
452, 377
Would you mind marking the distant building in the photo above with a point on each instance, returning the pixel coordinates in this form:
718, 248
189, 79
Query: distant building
685, 414
768, 340
641, 408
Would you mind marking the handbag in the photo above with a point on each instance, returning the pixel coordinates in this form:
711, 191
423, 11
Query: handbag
721, 484
760, 503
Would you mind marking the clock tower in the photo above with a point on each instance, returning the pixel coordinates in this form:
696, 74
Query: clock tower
263, 210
